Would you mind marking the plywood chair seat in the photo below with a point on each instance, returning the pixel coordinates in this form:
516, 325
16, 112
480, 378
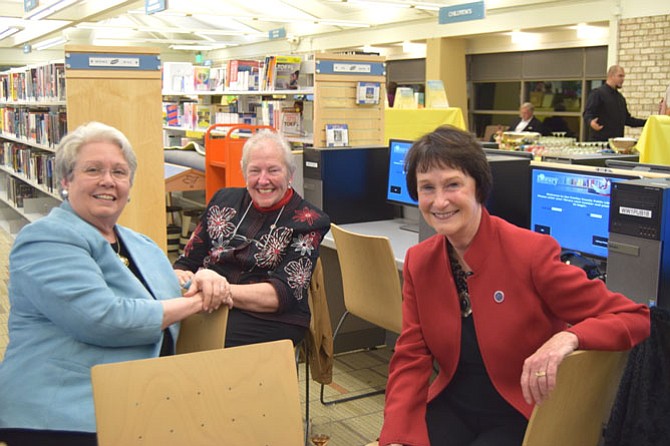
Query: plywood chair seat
203, 331
370, 284
580, 405
236, 396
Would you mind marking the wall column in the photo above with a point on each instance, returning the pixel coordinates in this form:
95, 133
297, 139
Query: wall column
445, 60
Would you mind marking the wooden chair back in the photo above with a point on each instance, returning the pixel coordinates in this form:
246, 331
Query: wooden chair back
580, 405
234, 396
203, 331
370, 279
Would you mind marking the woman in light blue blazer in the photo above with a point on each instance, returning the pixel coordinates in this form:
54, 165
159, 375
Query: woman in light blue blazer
83, 291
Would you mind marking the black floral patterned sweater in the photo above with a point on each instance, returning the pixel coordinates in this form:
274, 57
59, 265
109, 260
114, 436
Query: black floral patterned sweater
245, 244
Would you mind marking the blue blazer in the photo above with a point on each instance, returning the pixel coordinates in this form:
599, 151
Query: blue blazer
75, 305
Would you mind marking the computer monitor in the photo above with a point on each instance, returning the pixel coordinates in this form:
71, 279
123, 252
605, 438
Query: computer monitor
396, 187
641, 167
572, 205
519, 153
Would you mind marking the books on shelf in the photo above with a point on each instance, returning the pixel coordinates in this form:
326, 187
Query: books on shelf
337, 135
34, 165
282, 72
178, 77
243, 75
38, 83
201, 78
436, 96
45, 127
291, 121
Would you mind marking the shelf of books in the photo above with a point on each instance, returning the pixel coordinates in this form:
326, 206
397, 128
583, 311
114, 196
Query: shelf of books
276, 92
32, 122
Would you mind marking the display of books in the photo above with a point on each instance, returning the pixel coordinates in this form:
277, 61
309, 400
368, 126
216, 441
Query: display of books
436, 96
201, 78
368, 92
291, 121
287, 72
337, 135
404, 98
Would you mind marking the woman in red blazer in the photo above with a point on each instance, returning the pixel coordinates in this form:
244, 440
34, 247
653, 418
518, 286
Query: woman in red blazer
492, 305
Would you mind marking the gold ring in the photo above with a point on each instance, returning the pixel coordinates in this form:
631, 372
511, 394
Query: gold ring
540, 374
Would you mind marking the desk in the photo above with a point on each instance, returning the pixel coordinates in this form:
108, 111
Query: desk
355, 333
180, 178
653, 142
411, 124
401, 239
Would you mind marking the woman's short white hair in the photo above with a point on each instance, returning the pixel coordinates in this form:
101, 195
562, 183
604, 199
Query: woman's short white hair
267, 136
69, 147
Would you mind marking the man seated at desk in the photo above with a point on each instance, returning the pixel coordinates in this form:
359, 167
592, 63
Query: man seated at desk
525, 122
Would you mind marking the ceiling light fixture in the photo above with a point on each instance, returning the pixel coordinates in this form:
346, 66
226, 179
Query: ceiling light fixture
43, 45
46, 11
9, 31
200, 47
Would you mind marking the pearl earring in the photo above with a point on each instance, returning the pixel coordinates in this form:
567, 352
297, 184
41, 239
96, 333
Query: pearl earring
64, 193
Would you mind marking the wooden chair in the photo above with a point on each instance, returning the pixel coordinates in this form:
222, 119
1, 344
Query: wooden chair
370, 283
579, 406
234, 396
203, 331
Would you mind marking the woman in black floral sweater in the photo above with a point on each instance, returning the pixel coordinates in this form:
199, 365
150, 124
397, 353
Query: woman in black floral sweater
258, 247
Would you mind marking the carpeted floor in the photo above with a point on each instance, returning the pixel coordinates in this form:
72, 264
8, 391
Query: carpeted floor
351, 423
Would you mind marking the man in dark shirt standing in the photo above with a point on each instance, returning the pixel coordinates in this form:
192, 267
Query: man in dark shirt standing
606, 112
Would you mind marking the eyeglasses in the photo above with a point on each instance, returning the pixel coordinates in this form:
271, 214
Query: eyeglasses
118, 173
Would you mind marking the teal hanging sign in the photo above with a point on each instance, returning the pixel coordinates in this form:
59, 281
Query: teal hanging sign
153, 6
462, 13
29, 5
277, 33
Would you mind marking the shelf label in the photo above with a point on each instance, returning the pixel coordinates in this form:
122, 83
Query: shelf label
132, 62
350, 68
110, 61
461, 13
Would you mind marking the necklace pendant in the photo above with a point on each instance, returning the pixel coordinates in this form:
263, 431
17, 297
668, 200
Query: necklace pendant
124, 259
466, 307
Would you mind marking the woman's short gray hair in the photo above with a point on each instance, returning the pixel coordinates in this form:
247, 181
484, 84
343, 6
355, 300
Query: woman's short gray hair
274, 138
69, 147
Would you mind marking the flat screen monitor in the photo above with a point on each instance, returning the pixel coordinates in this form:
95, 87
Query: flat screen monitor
519, 153
641, 167
572, 205
396, 187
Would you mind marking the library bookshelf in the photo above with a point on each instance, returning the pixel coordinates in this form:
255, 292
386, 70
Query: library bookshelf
32, 121
120, 86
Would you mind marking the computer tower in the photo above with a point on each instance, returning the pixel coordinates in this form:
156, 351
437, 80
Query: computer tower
638, 255
348, 184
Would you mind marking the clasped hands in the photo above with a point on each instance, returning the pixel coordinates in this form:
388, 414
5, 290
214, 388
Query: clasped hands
214, 288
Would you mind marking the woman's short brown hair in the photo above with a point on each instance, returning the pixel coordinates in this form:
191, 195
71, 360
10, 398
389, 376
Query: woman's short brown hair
449, 146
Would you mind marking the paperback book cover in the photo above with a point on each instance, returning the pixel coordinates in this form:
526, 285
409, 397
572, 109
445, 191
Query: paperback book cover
436, 96
287, 72
337, 135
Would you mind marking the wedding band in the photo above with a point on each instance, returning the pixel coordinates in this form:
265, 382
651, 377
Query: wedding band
540, 374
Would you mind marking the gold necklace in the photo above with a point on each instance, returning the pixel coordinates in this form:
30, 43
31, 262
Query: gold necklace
123, 259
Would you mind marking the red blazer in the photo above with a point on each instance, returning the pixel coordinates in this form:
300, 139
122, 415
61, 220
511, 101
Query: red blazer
521, 294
